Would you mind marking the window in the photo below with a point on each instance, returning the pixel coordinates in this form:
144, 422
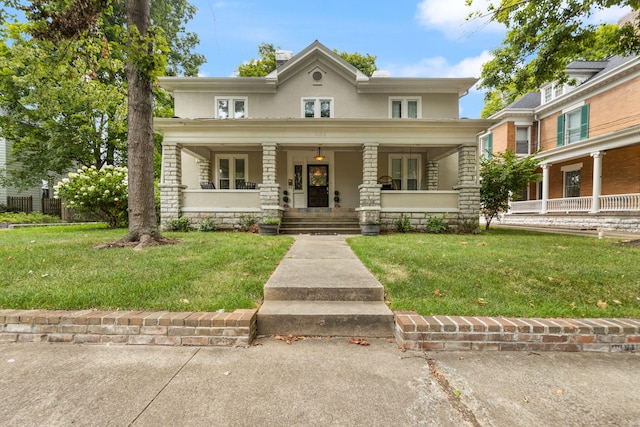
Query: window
571, 176
405, 108
551, 92
572, 184
522, 140
232, 171
317, 107
405, 171
231, 108
573, 126
547, 94
486, 146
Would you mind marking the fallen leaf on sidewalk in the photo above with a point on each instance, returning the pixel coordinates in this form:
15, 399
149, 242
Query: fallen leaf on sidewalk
358, 341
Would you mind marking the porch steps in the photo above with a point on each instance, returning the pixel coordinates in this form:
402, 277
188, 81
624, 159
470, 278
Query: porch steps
320, 222
321, 288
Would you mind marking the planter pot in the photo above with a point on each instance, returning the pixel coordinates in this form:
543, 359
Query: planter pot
370, 229
268, 229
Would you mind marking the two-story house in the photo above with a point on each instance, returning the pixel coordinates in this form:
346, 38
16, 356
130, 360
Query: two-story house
313, 130
586, 134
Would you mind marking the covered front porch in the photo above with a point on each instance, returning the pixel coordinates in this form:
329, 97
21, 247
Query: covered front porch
415, 168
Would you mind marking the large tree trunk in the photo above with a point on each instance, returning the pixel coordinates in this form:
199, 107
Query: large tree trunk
143, 225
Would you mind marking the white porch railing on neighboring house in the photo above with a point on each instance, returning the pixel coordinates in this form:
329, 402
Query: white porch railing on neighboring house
609, 203
620, 202
570, 204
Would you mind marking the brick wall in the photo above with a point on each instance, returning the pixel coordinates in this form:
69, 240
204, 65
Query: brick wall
129, 327
415, 332
614, 109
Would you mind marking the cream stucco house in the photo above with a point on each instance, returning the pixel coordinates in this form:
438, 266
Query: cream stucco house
268, 146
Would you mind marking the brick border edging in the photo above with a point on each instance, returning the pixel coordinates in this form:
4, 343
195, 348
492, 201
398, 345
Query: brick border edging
415, 332
237, 328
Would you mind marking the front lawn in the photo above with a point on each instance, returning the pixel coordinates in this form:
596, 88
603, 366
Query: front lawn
505, 273
57, 268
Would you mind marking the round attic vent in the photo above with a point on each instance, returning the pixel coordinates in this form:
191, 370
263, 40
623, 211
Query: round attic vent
317, 76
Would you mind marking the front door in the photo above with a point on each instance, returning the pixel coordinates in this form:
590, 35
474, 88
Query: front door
318, 186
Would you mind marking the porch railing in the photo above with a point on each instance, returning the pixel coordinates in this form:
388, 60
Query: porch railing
608, 203
570, 204
620, 202
220, 200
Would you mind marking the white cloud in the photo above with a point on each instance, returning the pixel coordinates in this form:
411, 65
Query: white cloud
439, 67
450, 17
610, 15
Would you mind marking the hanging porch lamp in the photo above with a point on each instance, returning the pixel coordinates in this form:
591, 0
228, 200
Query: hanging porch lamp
319, 157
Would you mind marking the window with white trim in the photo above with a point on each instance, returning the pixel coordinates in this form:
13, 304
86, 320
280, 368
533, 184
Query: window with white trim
405, 108
573, 126
405, 171
486, 146
522, 140
571, 180
232, 171
231, 108
317, 108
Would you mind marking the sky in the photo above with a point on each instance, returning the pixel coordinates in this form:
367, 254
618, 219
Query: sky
410, 38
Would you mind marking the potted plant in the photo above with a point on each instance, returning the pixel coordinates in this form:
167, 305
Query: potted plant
336, 199
269, 226
370, 228
285, 199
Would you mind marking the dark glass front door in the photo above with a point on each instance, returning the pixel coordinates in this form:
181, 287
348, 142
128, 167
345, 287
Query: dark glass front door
318, 186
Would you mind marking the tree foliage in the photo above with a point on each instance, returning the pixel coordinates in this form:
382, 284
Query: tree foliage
267, 62
502, 177
544, 37
64, 84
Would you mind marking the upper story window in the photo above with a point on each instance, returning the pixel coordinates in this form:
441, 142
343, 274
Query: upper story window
317, 107
573, 126
522, 140
486, 146
231, 107
405, 108
552, 91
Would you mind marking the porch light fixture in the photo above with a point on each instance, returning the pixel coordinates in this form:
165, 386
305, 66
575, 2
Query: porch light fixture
319, 157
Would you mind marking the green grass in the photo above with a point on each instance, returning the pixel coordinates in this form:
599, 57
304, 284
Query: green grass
514, 273
57, 268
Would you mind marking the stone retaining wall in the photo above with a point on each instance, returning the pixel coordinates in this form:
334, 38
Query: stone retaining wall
620, 223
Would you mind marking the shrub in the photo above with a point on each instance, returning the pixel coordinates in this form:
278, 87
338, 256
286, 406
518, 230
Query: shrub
246, 222
436, 225
180, 224
31, 218
403, 224
271, 220
208, 225
102, 193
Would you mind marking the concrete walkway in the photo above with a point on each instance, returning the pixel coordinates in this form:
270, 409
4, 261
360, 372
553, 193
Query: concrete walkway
312, 382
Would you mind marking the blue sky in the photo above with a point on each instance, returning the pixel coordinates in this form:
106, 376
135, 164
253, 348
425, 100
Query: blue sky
410, 38
426, 38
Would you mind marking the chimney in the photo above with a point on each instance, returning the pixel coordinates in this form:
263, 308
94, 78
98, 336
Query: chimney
283, 56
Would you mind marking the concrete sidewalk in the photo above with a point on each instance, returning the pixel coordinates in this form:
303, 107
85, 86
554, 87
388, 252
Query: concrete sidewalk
312, 382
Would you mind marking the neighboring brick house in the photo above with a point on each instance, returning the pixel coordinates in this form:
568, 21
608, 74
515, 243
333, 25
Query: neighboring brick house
265, 146
586, 135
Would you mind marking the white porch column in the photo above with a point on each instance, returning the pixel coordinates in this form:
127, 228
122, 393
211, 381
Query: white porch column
597, 181
432, 174
468, 188
171, 182
545, 186
269, 189
369, 189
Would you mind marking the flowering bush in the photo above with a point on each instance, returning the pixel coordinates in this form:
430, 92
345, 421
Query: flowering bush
102, 193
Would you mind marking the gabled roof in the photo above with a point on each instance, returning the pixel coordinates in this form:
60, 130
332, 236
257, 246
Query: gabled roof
316, 52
